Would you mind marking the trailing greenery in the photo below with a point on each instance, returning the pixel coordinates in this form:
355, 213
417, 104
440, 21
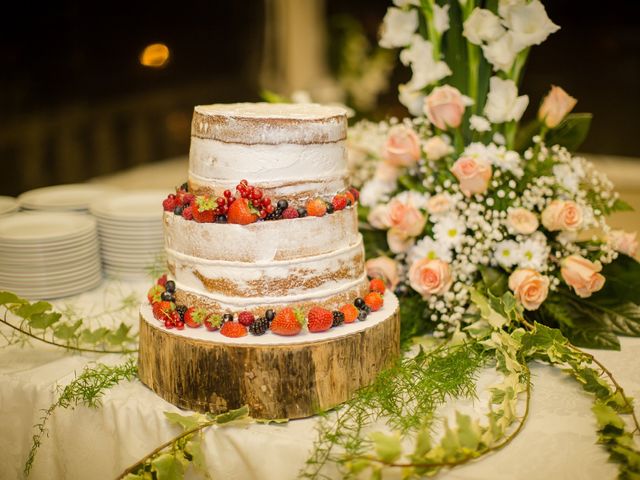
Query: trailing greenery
172, 459
39, 321
86, 389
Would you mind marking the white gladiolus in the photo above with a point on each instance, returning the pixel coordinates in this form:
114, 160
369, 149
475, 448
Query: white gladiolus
441, 18
411, 98
482, 26
479, 124
398, 26
528, 22
503, 102
426, 70
502, 52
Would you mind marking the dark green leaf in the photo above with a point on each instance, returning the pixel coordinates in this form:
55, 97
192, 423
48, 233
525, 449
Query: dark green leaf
621, 206
241, 413
571, 132
413, 317
591, 336
622, 319
44, 320
622, 282
7, 298
495, 280
526, 132
375, 242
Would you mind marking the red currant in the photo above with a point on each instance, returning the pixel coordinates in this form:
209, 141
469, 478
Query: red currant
224, 209
227, 193
266, 201
168, 324
244, 182
220, 201
180, 325
269, 208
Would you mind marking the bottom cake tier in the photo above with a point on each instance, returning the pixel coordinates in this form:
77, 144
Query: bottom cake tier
276, 376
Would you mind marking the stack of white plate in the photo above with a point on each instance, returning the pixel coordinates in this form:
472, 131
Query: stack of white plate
73, 196
8, 205
130, 230
49, 254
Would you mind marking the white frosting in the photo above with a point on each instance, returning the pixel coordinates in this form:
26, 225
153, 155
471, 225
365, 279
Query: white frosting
219, 163
262, 241
269, 338
300, 111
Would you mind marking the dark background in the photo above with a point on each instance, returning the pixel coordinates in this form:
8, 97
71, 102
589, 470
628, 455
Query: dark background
71, 80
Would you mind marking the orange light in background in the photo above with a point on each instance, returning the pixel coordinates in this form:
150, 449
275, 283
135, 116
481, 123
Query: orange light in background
155, 55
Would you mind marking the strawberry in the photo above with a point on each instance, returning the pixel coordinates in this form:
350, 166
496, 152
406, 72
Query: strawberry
153, 295
377, 285
233, 330
187, 213
350, 198
290, 213
212, 322
242, 212
162, 280
374, 301
339, 202
350, 313
162, 310
203, 209
195, 317
356, 194
169, 203
246, 318
287, 322
316, 207
319, 319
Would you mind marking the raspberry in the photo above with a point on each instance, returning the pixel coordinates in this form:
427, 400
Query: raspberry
187, 213
377, 285
316, 207
246, 318
338, 318
374, 301
339, 202
289, 213
319, 319
162, 280
259, 327
350, 313
233, 330
170, 203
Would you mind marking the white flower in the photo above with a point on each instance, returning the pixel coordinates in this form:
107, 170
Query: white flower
429, 248
398, 27
440, 18
373, 191
507, 253
404, 3
499, 139
411, 98
426, 70
528, 22
435, 148
511, 162
503, 102
501, 53
482, 26
413, 198
568, 177
534, 252
449, 231
479, 124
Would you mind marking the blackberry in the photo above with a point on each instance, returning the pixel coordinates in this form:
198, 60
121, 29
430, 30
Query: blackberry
170, 286
282, 205
278, 213
185, 186
178, 210
330, 208
359, 303
338, 318
166, 297
270, 315
302, 212
182, 309
271, 216
227, 317
259, 327
364, 313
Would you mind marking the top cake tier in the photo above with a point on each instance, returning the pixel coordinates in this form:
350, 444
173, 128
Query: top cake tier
288, 150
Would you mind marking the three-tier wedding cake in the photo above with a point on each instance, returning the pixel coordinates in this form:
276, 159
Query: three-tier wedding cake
263, 249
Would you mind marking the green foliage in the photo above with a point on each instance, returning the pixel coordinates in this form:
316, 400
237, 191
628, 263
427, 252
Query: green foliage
571, 132
413, 317
87, 389
375, 242
38, 320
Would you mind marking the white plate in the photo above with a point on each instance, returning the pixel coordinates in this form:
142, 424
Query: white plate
130, 206
8, 205
21, 248
50, 262
44, 228
74, 196
37, 275
55, 292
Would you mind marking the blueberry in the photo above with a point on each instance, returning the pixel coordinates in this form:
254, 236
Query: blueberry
170, 286
329, 207
167, 297
364, 313
178, 210
270, 315
302, 212
359, 303
227, 317
185, 186
221, 219
282, 204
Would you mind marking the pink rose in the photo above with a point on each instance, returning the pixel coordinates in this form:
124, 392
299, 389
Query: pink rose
439, 203
582, 275
529, 287
430, 277
379, 217
435, 148
562, 215
555, 106
384, 268
398, 241
522, 221
624, 242
406, 218
386, 172
444, 107
473, 174
402, 148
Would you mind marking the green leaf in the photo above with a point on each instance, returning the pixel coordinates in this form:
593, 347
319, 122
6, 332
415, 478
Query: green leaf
66, 331
495, 280
469, 432
423, 444
375, 242
41, 321
273, 97
525, 134
167, 467
388, 447
28, 310
622, 282
592, 337
605, 415
621, 206
7, 298
194, 448
131, 476
120, 336
486, 311
93, 336
239, 414
413, 317
571, 132
187, 422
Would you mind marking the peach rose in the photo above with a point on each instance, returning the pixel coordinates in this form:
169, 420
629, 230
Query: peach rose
384, 268
522, 221
398, 241
386, 172
529, 287
439, 203
444, 107
555, 106
624, 242
473, 174
435, 148
406, 218
430, 277
402, 148
582, 275
562, 215
379, 217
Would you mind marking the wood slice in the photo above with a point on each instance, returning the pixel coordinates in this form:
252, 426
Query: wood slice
276, 381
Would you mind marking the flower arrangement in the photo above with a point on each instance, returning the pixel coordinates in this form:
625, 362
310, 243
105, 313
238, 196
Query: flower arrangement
460, 196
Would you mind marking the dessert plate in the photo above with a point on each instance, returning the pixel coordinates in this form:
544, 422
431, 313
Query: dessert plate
8, 205
74, 196
40, 228
130, 207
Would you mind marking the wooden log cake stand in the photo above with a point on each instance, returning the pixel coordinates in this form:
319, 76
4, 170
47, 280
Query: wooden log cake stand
277, 377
